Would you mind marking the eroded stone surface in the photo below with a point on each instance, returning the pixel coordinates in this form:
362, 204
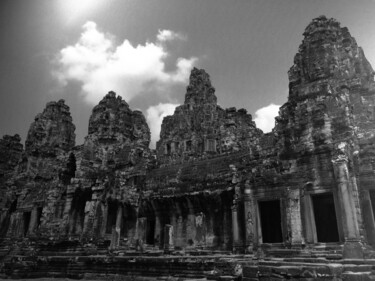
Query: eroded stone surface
10, 154
200, 127
51, 131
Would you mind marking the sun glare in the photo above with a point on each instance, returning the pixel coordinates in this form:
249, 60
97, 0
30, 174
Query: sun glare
73, 10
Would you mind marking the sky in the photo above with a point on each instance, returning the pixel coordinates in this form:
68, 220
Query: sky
144, 51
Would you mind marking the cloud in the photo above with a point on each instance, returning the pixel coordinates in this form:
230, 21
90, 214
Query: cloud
99, 65
169, 35
155, 115
265, 117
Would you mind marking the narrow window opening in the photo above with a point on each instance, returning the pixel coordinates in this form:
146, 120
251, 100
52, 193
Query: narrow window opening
168, 148
188, 145
211, 145
200, 147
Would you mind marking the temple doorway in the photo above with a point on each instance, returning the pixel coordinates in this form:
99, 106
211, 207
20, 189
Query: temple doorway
325, 217
270, 220
111, 216
150, 231
77, 211
26, 222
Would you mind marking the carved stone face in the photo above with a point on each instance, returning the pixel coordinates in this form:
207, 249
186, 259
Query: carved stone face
326, 51
315, 61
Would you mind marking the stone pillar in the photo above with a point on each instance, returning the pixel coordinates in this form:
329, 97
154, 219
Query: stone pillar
294, 222
238, 239
67, 214
88, 222
308, 215
168, 238
368, 216
211, 237
173, 222
116, 230
118, 225
97, 220
191, 230
78, 224
249, 219
158, 228
179, 232
105, 219
96, 215
33, 221
235, 228
15, 225
140, 233
112, 246
92, 221
352, 246
141, 228
200, 229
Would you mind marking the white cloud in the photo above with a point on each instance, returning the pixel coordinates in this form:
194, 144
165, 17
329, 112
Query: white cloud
265, 117
129, 70
168, 35
155, 115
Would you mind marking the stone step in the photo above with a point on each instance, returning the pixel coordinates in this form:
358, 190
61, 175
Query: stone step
308, 260
184, 267
355, 269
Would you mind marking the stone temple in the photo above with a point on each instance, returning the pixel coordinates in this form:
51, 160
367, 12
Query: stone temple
217, 198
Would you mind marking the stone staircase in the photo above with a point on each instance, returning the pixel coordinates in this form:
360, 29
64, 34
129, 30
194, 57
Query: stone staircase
212, 267
330, 252
72, 259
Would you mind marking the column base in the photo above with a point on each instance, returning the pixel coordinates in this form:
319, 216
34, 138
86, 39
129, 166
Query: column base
239, 249
353, 250
297, 246
168, 250
249, 249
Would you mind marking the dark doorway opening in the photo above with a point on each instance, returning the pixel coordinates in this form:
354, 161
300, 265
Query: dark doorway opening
129, 221
270, 220
39, 215
372, 198
26, 222
164, 220
77, 211
111, 217
150, 231
168, 148
325, 217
